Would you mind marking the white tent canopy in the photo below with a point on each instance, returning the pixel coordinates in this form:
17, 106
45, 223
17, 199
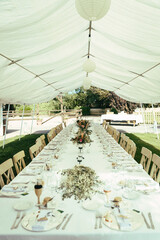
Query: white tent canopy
44, 43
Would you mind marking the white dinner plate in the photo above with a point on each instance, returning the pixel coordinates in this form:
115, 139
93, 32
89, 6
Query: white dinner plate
23, 205
92, 204
30, 222
135, 219
12, 193
130, 195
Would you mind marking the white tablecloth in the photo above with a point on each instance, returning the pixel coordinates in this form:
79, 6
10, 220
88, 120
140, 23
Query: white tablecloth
122, 117
82, 223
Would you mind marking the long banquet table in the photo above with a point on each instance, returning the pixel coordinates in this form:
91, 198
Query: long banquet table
100, 156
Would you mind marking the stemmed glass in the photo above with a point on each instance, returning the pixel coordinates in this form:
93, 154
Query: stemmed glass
79, 159
38, 191
107, 191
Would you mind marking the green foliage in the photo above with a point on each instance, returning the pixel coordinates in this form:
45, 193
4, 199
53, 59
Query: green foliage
85, 110
19, 108
92, 98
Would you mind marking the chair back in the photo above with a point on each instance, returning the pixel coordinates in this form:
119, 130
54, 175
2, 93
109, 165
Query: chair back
146, 158
43, 140
131, 148
104, 124
19, 162
6, 172
51, 134
123, 141
116, 135
155, 169
39, 143
34, 151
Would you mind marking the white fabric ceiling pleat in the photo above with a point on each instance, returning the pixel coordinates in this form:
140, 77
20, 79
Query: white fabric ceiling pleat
44, 43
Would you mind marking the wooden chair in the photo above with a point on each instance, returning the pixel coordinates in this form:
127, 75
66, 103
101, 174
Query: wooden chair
104, 124
51, 134
131, 148
125, 141
19, 162
155, 169
6, 172
43, 140
146, 158
116, 135
34, 151
65, 124
110, 130
59, 128
39, 143
121, 139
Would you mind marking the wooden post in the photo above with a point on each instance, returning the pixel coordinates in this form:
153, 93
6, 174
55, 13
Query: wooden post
60, 99
6, 124
32, 118
21, 123
1, 119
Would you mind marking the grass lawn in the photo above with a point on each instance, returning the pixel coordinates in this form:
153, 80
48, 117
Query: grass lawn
148, 140
13, 145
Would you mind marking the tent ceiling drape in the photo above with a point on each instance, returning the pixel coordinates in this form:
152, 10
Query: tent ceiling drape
44, 43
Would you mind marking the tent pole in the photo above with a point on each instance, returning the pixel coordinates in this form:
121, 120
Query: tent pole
143, 119
1, 120
6, 125
155, 123
32, 118
21, 123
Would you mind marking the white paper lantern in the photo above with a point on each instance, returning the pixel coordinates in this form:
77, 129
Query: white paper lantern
89, 66
86, 87
92, 10
87, 83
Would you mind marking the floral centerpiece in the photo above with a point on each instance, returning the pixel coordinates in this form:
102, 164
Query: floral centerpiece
80, 182
83, 124
82, 137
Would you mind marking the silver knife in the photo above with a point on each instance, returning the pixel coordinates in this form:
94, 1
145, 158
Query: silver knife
67, 222
151, 221
62, 221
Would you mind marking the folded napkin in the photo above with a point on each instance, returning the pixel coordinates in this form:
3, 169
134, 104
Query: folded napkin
40, 225
12, 189
122, 220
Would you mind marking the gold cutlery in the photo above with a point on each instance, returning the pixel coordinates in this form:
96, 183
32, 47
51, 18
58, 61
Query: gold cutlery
100, 221
20, 221
151, 221
62, 221
96, 222
3, 196
14, 223
145, 220
67, 222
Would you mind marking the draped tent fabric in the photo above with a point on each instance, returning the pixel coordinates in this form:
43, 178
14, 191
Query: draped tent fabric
44, 43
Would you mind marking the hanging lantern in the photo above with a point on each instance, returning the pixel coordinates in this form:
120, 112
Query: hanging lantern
87, 83
89, 66
92, 10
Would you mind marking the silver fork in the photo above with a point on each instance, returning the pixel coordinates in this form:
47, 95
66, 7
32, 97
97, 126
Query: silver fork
14, 223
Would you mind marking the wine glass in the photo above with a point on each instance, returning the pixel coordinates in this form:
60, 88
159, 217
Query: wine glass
107, 191
79, 159
38, 191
